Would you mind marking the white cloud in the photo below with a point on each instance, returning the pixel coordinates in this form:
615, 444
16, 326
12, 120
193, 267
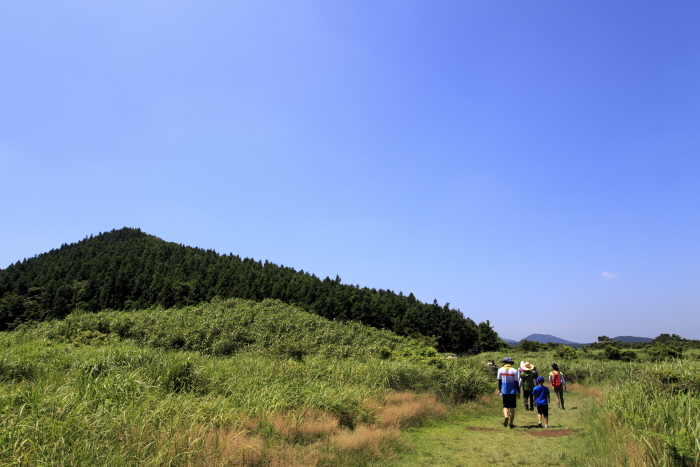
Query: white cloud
608, 275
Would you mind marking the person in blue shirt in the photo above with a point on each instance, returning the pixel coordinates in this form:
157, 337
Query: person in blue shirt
509, 390
541, 394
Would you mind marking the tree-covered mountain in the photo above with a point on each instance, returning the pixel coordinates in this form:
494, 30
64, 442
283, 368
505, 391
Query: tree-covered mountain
128, 269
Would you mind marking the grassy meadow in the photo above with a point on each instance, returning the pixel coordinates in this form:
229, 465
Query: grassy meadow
232, 382
243, 383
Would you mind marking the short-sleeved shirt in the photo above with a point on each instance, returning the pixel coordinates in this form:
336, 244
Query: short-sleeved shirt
508, 380
541, 394
561, 375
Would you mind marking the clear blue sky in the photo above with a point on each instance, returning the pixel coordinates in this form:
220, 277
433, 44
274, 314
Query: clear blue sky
535, 164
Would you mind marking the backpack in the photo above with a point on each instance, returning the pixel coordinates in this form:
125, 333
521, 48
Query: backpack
556, 379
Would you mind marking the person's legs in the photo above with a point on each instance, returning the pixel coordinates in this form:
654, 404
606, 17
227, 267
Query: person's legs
544, 410
509, 404
559, 392
531, 399
562, 397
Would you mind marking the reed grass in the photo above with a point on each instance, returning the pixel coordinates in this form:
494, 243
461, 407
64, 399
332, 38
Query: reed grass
78, 392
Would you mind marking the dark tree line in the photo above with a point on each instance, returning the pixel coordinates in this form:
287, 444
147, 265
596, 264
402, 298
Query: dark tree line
128, 269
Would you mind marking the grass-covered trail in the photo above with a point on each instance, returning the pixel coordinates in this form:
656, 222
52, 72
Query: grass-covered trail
475, 436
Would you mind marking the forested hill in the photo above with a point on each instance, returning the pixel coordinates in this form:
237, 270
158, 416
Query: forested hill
129, 269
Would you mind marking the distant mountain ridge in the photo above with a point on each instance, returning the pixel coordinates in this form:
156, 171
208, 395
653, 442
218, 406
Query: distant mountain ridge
546, 338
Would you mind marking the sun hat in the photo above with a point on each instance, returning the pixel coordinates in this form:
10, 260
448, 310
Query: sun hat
526, 366
507, 360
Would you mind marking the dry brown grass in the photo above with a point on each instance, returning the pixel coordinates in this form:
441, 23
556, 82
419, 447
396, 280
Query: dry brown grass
200, 446
296, 456
306, 425
367, 438
239, 448
308, 437
404, 409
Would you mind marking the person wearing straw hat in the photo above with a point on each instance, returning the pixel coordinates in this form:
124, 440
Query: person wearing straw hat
527, 384
509, 390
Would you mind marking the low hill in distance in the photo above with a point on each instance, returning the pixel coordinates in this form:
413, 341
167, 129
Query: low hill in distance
546, 338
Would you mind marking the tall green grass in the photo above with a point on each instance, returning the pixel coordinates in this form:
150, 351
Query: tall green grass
121, 388
657, 411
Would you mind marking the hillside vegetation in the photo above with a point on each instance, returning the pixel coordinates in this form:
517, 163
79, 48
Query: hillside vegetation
127, 269
232, 382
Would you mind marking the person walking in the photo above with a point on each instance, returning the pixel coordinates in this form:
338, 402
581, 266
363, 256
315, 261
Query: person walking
556, 377
509, 390
527, 384
541, 393
493, 368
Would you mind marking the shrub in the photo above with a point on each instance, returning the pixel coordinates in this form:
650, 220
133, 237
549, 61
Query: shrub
565, 352
659, 352
612, 352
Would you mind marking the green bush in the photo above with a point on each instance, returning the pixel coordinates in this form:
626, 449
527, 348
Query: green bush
658, 352
628, 356
565, 352
612, 352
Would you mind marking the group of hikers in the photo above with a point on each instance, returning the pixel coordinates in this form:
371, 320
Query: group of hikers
512, 381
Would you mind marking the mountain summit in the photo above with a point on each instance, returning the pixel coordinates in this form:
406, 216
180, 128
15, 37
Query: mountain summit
127, 269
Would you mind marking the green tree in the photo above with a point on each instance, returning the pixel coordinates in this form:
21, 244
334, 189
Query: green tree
488, 338
529, 346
